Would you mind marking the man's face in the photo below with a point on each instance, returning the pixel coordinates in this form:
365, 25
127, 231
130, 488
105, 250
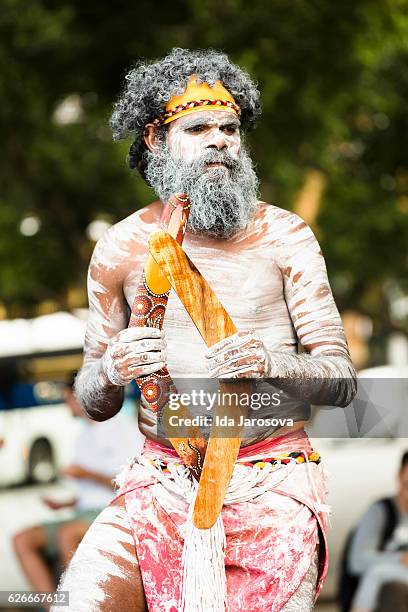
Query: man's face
192, 135
201, 154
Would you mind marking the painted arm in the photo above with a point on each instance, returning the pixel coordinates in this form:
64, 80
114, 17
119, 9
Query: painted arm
113, 355
324, 374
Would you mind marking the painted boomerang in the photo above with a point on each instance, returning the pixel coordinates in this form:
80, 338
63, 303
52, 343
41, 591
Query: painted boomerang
148, 310
214, 324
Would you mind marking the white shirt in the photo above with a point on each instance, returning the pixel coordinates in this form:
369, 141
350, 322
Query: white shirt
104, 448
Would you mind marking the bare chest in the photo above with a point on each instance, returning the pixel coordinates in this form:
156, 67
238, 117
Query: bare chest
248, 283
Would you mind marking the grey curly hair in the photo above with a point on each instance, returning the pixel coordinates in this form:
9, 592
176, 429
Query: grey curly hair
149, 86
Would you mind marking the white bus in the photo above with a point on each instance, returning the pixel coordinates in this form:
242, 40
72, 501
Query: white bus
36, 427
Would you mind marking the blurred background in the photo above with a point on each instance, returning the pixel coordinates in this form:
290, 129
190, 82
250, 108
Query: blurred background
331, 145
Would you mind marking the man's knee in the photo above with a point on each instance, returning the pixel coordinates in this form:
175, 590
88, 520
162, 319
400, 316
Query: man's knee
20, 541
33, 538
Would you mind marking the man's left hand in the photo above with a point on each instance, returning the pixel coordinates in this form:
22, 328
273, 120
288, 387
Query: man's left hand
57, 505
242, 355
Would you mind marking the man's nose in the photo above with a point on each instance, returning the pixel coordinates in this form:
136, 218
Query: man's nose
217, 140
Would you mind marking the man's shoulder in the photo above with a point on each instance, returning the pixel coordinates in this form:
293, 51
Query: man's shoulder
283, 224
137, 223
127, 236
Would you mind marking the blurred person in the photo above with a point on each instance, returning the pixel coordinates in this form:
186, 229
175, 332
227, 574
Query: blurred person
378, 553
100, 451
188, 114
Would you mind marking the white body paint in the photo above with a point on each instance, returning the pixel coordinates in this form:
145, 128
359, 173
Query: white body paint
134, 352
242, 355
270, 277
190, 136
103, 555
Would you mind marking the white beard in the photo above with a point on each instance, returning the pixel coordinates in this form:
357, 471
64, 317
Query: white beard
223, 199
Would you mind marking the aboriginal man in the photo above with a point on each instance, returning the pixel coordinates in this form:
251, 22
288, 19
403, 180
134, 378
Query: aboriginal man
187, 114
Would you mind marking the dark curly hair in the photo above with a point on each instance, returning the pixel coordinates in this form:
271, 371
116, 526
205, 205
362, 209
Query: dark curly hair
149, 86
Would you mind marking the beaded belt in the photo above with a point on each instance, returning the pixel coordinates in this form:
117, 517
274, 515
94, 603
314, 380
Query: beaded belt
285, 458
282, 458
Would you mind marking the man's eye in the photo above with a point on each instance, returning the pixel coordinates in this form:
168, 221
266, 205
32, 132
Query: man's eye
195, 129
230, 129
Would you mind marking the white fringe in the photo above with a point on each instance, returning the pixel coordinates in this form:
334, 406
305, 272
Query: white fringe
204, 585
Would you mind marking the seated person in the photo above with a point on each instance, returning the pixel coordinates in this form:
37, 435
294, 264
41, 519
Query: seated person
378, 552
100, 451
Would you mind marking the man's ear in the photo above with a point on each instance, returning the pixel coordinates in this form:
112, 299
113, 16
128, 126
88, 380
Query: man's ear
150, 137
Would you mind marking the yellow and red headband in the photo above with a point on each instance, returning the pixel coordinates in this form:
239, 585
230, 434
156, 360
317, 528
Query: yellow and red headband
198, 97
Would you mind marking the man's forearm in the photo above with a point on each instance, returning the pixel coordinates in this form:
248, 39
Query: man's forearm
325, 378
102, 479
99, 397
322, 380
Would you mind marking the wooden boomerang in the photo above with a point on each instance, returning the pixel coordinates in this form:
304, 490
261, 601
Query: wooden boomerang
214, 324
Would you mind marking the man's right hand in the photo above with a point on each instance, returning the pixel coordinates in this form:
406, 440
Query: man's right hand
134, 352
